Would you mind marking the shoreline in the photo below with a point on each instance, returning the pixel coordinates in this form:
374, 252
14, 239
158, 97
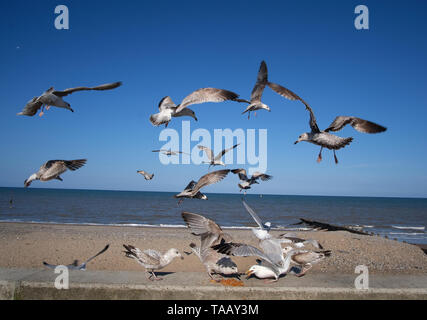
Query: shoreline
27, 245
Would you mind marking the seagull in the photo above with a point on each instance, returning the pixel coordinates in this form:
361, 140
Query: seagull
168, 109
192, 190
271, 255
262, 232
169, 152
146, 175
210, 234
215, 161
151, 259
300, 243
51, 97
52, 169
255, 103
305, 258
75, 265
246, 182
324, 139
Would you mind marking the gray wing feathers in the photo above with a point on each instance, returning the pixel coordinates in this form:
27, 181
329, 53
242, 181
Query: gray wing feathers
207, 95
360, 125
253, 214
210, 178
107, 86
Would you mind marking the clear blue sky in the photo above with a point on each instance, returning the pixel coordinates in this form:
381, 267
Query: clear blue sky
160, 48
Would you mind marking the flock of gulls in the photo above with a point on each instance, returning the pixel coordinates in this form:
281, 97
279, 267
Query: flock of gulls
216, 247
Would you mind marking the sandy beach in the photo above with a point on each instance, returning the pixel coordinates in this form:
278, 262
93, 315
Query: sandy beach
27, 245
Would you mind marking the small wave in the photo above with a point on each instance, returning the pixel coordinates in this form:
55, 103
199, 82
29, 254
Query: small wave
406, 233
408, 228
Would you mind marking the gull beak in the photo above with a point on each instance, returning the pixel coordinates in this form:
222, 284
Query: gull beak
248, 274
195, 119
296, 142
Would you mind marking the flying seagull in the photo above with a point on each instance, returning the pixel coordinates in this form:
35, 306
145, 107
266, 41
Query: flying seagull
215, 160
168, 109
169, 152
151, 259
245, 182
53, 169
146, 175
75, 265
52, 97
324, 139
255, 103
193, 188
210, 234
305, 258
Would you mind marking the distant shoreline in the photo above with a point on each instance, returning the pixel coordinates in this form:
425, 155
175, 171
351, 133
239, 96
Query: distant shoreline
224, 193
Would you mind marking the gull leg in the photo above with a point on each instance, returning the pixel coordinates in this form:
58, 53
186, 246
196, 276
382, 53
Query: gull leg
218, 278
319, 157
166, 124
42, 111
155, 277
335, 157
255, 113
249, 115
303, 271
47, 108
180, 201
271, 281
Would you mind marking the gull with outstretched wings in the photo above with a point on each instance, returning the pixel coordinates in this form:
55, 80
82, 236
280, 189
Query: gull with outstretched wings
192, 190
75, 265
262, 80
215, 160
324, 139
210, 234
145, 174
53, 169
168, 109
245, 182
52, 97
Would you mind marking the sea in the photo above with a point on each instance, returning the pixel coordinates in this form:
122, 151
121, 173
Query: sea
403, 219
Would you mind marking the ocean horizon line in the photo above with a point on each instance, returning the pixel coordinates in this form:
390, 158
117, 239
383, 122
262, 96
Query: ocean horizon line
228, 193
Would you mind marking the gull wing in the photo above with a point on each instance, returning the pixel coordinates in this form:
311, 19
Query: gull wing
206, 95
91, 258
107, 86
191, 185
288, 94
241, 173
208, 151
149, 257
31, 107
207, 229
53, 168
260, 83
242, 250
210, 178
219, 155
262, 176
254, 215
166, 103
360, 125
